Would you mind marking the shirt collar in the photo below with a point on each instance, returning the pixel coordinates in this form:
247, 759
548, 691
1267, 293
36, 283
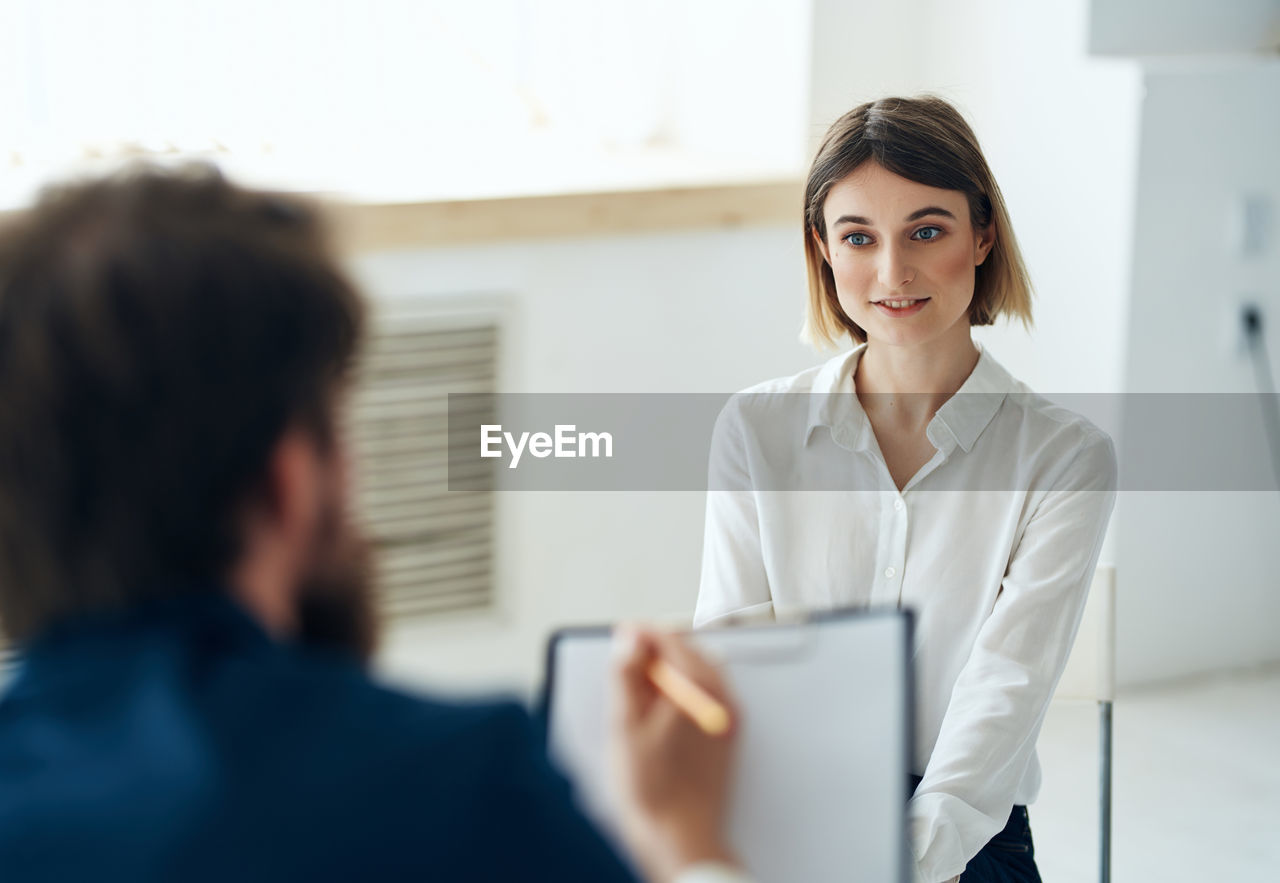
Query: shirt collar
964, 416
967, 413
834, 404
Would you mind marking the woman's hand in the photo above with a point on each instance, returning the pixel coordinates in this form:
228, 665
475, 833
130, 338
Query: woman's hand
673, 778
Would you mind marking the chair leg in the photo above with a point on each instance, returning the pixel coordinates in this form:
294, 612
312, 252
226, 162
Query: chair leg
1104, 790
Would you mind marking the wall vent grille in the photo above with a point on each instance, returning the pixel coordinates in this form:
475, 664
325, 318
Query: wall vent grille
434, 546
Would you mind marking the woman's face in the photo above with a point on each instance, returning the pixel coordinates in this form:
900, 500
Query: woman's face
903, 255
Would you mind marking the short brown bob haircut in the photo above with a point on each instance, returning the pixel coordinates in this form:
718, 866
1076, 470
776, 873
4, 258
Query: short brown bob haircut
925, 140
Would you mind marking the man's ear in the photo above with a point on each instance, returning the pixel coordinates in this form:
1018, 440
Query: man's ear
278, 520
821, 243
292, 487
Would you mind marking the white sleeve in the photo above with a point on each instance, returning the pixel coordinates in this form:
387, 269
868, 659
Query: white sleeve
712, 872
997, 706
733, 580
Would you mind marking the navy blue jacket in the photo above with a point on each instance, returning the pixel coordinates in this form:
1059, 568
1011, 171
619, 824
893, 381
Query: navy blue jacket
178, 742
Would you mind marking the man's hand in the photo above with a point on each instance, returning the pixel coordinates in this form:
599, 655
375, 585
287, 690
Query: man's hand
673, 778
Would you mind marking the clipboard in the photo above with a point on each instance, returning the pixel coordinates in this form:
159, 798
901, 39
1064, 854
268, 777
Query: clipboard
825, 731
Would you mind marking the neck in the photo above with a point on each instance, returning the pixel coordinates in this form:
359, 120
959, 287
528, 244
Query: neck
913, 382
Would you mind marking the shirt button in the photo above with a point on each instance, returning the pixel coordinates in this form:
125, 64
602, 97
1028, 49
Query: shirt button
897, 504
889, 572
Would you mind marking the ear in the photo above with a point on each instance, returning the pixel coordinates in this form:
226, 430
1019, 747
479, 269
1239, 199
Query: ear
821, 243
278, 521
986, 241
294, 484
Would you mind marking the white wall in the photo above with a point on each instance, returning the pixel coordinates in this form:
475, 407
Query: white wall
1200, 589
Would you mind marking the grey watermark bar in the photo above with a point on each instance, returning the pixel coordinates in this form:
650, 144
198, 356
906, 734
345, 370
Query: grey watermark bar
825, 442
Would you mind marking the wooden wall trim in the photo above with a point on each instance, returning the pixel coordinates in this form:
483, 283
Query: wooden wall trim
390, 226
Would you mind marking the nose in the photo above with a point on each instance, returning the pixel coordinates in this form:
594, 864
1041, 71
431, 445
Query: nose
896, 270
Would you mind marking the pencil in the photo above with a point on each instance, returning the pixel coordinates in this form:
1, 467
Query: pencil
687, 696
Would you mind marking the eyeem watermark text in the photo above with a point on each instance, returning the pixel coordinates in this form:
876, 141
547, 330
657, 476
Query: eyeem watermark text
564, 443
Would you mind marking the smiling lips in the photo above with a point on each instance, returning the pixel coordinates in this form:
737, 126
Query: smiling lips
902, 307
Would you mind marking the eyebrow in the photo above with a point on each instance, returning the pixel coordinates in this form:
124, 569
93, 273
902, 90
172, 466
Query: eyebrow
914, 216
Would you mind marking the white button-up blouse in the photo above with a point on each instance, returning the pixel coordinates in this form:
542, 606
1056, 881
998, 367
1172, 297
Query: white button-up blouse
993, 543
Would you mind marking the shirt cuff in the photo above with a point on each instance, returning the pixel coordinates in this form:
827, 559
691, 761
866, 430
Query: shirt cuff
712, 872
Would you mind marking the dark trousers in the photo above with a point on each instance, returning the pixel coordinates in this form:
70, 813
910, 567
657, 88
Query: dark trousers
1008, 857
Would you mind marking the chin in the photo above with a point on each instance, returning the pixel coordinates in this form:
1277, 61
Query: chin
896, 334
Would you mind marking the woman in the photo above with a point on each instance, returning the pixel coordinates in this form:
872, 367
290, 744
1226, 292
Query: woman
909, 245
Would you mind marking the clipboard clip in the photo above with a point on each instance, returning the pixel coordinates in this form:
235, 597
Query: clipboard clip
766, 643
769, 638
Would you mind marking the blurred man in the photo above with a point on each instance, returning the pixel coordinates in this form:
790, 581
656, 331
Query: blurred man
193, 603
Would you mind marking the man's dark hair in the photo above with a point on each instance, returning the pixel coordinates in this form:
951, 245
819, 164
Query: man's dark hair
159, 332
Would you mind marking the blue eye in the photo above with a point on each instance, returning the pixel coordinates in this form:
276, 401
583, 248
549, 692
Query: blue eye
857, 239
934, 233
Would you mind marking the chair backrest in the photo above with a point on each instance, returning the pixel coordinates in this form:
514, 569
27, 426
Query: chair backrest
1091, 668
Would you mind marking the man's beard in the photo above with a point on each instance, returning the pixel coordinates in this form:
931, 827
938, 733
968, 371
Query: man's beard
337, 607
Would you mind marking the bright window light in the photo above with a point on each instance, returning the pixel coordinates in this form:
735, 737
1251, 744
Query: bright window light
397, 100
